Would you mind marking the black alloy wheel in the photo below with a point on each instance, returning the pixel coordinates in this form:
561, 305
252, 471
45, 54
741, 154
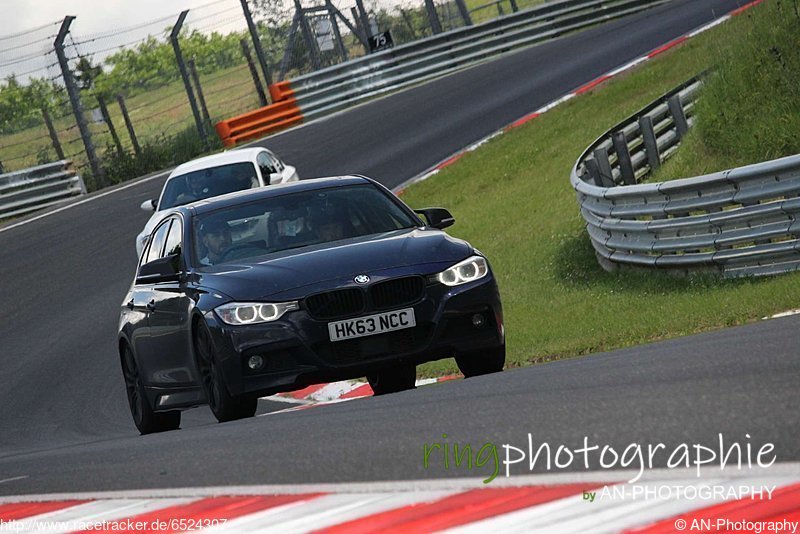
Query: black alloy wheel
224, 406
145, 419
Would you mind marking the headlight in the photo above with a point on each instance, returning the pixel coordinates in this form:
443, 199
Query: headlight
469, 270
238, 313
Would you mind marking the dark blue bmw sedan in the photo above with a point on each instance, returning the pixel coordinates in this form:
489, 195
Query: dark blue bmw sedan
272, 290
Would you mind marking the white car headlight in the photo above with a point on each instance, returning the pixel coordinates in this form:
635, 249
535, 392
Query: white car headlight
469, 270
239, 313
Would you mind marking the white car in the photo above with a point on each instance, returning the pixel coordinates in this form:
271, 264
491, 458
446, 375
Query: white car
214, 175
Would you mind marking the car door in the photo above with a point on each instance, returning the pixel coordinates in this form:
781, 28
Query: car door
170, 331
141, 304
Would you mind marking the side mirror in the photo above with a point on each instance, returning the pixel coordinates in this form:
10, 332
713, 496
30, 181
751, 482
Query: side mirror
149, 205
437, 217
275, 178
166, 269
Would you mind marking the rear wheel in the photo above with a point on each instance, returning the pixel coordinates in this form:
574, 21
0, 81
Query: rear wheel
145, 419
482, 362
224, 406
393, 379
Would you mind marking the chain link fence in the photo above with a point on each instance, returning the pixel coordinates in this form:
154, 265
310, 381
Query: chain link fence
133, 99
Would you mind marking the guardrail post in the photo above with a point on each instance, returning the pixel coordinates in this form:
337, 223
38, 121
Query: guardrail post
624, 157
436, 26
676, 109
173, 37
75, 101
53, 134
594, 172
262, 98
514, 6
2, 170
650, 142
199, 88
129, 125
107, 118
604, 167
251, 27
462, 9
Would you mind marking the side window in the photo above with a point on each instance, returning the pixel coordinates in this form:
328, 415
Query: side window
266, 165
277, 161
157, 242
174, 238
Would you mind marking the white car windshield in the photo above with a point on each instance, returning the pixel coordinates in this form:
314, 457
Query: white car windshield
209, 182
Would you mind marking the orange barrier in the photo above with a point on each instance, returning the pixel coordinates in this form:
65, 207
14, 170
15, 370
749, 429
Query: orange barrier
283, 113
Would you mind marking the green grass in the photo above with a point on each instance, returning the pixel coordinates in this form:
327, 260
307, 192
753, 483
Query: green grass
749, 110
512, 199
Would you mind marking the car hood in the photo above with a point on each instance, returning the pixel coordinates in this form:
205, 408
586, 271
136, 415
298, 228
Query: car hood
379, 256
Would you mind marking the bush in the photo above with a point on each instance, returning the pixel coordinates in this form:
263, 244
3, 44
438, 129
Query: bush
164, 151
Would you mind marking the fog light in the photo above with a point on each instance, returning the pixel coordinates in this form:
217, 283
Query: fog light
478, 320
255, 363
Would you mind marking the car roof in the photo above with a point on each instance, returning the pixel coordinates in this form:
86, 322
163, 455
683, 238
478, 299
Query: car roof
238, 155
248, 195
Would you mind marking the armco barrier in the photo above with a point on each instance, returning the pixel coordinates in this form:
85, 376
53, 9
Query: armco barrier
334, 88
740, 222
31, 189
254, 124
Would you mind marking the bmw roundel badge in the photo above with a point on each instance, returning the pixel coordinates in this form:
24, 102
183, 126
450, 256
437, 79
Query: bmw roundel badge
361, 279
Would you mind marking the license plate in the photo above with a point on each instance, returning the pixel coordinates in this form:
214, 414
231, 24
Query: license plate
372, 324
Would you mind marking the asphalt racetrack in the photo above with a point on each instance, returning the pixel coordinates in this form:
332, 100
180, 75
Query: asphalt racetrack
63, 412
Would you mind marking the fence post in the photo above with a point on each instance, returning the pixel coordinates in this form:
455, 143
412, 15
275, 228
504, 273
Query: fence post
75, 101
173, 37
2, 170
676, 109
624, 158
362, 18
514, 6
650, 142
254, 73
199, 88
129, 125
335, 26
106, 117
308, 37
436, 25
262, 59
462, 9
53, 134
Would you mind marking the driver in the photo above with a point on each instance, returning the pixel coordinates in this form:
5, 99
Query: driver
216, 237
198, 188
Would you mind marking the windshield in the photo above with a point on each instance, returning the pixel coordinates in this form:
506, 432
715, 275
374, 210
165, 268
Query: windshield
295, 220
206, 183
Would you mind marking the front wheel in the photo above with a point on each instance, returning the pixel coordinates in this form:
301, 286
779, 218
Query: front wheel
393, 379
482, 362
146, 420
224, 406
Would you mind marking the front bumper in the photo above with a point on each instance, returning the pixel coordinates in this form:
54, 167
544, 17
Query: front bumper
298, 352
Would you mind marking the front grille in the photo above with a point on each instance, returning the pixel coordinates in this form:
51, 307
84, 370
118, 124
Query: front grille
364, 348
340, 303
397, 292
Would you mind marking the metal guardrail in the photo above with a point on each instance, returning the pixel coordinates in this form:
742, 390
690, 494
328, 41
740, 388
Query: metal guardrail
739, 222
334, 88
35, 188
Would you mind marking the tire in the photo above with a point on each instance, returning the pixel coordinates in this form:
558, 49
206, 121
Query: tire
482, 362
393, 379
224, 406
146, 420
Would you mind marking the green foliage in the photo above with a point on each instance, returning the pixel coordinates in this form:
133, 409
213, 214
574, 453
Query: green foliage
161, 152
750, 109
21, 105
